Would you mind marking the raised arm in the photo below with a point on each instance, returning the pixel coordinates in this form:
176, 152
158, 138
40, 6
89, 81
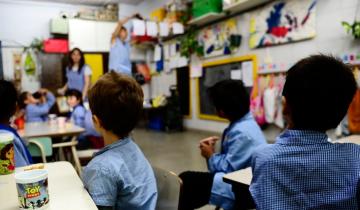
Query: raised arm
120, 24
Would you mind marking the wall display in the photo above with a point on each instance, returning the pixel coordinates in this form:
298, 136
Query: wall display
217, 71
217, 39
283, 22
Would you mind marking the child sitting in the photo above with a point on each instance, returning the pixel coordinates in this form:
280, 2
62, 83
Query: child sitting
119, 176
36, 110
8, 98
238, 143
303, 170
81, 117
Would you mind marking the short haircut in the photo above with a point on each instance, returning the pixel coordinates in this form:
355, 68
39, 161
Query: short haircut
231, 97
318, 92
117, 101
123, 28
73, 92
22, 98
8, 98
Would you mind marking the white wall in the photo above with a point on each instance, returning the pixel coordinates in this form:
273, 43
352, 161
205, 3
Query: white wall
330, 38
22, 21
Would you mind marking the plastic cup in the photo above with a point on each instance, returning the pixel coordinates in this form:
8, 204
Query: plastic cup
61, 122
52, 119
32, 187
7, 161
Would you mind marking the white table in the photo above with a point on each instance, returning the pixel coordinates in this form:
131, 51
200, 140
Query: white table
45, 129
242, 176
239, 180
66, 190
349, 139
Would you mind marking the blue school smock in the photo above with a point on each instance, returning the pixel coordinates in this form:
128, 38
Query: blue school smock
239, 142
83, 118
76, 79
120, 176
39, 112
119, 57
22, 154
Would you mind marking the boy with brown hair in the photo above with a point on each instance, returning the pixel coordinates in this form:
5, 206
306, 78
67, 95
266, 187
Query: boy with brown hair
119, 176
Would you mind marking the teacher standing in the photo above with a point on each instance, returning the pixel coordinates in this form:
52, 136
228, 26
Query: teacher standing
78, 74
119, 57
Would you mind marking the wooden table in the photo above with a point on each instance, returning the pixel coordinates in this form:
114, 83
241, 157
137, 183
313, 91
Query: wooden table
239, 180
66, 190
45, 129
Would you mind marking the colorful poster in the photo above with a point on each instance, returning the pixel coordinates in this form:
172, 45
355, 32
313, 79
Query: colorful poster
216, 39
283, 22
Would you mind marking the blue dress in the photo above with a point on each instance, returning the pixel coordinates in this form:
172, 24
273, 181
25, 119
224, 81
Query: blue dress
75, 79
119, 57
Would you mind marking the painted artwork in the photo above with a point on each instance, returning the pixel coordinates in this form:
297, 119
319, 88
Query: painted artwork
220, 39
283, 22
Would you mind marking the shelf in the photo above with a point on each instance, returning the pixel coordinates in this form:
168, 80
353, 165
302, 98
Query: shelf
208, 18
243, 5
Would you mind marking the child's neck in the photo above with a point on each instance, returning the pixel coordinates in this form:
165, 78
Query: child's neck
110, 137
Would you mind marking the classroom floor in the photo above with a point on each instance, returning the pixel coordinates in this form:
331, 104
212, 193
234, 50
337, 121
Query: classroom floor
175, 152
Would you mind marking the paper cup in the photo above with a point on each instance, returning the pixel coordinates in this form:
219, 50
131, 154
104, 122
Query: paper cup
7, 161
32, 187
61, 122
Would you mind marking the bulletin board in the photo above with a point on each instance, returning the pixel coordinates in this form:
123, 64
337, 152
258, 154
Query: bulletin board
214, 72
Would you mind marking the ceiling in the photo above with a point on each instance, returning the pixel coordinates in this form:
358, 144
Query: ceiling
94, 2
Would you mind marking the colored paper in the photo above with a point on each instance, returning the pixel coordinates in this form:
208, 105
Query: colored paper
95, 61
139, 27
151, 28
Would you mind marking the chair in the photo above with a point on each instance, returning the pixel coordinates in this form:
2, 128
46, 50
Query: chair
169, 188
40, 147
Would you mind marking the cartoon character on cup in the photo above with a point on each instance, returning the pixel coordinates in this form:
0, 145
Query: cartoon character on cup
7, 153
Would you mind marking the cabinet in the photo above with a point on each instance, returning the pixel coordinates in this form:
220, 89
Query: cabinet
90, 36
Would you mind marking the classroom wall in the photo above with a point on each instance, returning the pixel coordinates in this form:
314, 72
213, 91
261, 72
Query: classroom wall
330, 38
22, 21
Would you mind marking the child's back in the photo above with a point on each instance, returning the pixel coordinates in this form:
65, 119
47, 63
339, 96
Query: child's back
303, 170
120, 175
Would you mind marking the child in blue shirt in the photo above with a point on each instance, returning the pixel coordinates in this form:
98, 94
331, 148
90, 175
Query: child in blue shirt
239, 141
81, 117
303, 170
8, 98
119, 176
37, 110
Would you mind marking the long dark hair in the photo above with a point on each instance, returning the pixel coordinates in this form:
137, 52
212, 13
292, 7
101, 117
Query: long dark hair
82, 59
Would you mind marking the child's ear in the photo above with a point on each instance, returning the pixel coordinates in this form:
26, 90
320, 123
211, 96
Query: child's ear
97, 121
287, 112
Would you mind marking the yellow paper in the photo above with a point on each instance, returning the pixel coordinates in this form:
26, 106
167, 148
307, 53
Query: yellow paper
95, 61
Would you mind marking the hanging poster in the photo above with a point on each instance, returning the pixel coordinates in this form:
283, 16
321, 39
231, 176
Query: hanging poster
217, 39
283, 22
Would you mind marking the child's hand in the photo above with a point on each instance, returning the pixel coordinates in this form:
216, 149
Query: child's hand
207, 150
210, 140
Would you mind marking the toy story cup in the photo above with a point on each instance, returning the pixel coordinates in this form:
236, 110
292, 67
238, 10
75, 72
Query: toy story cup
32, 187
7, 161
